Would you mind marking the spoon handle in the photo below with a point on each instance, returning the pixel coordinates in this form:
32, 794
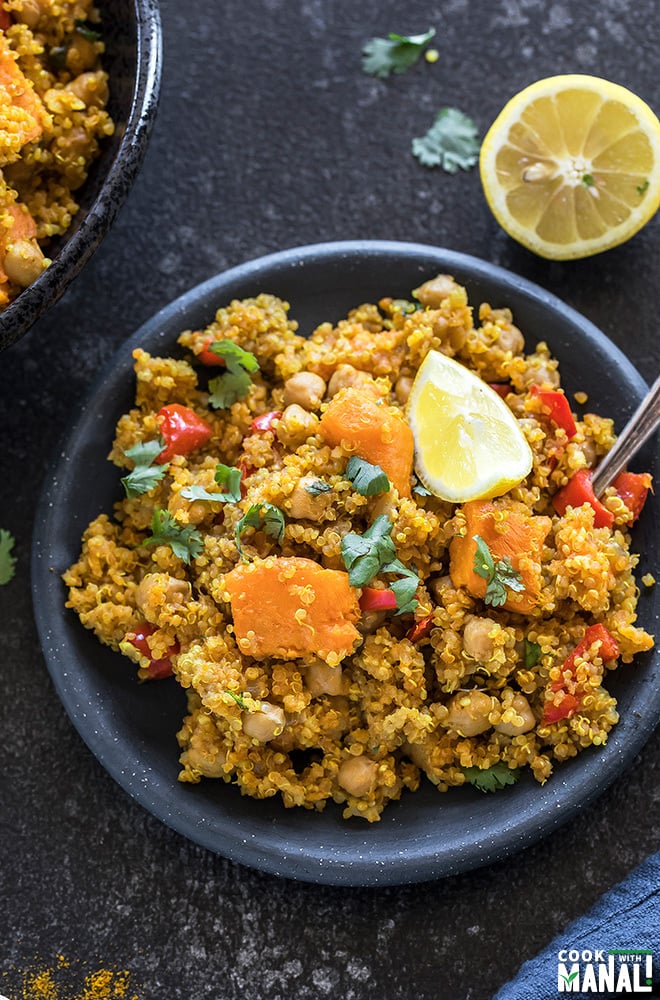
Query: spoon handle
639, 428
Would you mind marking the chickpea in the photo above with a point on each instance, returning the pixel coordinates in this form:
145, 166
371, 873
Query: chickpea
477, 638
156, 590
433, 292
402, 388
468, 713
30, 13
91, 89
266, 724
346, 376
295, 426
522, 709
304, 504
511, 339
81, 54
323, 679
24, 262
371, 621
306, 389
438, 585
357, 776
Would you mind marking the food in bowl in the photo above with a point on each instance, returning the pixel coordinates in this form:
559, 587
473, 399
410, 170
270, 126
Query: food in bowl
53, 118
340, 629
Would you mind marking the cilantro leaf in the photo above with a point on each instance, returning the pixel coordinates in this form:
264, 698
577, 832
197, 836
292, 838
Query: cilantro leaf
7, 560
532, 653
225, 475
232, 385
368, 479
84, 30
227, 389
421, 490
373, 552
394, 54
234, 356
263, 517
450, 143
641, 188
184, 540
499, 575
317, 487
144, 475
491, 779
237, 698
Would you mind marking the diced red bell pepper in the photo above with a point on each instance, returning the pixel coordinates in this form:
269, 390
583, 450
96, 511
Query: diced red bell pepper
633, 488
421, 629
183, 431
609, 650
157, 669
558, 407
5, 19
265, 421
209, 357
578, 491
501, 388
373, 599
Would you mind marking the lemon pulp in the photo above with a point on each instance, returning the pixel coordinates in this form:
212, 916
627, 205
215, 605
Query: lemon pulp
468, 444
571, 166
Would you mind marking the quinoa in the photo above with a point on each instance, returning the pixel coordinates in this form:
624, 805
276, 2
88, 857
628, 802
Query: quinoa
53, 121
375, 698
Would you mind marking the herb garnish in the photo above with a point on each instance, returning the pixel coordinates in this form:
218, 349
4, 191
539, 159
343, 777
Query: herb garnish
368, 479
86, 32
421, 490
317, 487
233, 384
498, 575
237, 698
184, 540
491, 779
588, 180
394, 54
641, 188
145, 475
7, 560
263, 517
450, 143
226, 476
373, 552
532, 653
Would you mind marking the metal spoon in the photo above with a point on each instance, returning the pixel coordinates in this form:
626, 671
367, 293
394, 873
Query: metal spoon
639, 428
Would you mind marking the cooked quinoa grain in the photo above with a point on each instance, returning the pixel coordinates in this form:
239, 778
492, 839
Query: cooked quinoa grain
326, 617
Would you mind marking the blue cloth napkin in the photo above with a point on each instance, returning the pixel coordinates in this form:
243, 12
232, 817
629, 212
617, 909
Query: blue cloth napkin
622, 928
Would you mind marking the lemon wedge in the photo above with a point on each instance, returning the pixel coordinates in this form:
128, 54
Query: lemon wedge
571, 166
468, 444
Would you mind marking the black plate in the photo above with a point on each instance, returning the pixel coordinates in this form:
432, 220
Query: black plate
131, 728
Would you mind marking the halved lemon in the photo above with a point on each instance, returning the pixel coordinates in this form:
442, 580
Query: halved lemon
571, 166
468, 444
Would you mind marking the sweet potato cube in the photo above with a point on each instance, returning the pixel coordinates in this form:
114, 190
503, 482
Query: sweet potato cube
289, 607
22, 113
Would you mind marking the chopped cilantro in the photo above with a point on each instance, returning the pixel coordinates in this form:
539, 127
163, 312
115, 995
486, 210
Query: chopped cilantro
373, 552
318, 486
588, 180
237, 698
232, 385
263, 517
532, 653
421, 490
491, 779
145, 475
641, 188
86, 32
184, 540
450, 143
367, 479
7, 560
226, 476
394, 54
498, 575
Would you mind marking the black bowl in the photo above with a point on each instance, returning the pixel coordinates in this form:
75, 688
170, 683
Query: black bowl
131, 728
132, 34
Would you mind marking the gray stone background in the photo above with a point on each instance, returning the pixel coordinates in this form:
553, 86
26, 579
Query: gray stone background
269, 135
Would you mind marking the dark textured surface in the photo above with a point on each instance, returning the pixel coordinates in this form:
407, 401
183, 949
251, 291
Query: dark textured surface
270, 136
